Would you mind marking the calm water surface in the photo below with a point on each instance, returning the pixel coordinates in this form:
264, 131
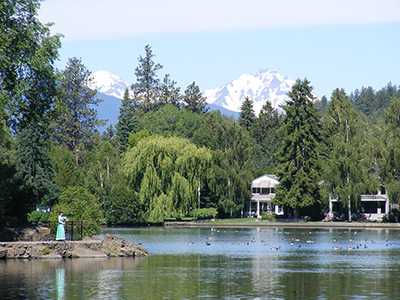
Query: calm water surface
204, 263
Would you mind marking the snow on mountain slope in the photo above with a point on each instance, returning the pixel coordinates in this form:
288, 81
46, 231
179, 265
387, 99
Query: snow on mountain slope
259, 87
109, 84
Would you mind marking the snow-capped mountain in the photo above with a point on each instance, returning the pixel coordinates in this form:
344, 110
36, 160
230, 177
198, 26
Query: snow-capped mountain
106, 83
259, 87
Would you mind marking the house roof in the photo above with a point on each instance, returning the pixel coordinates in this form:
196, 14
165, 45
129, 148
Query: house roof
265, 181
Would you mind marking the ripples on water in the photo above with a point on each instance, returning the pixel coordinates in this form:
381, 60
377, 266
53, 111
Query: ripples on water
204, 263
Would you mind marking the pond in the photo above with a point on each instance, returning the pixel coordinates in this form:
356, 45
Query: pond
220, 263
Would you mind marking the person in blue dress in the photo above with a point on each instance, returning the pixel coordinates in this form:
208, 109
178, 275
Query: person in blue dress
60, 236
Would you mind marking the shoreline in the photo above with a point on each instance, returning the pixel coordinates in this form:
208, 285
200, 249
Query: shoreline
321, 225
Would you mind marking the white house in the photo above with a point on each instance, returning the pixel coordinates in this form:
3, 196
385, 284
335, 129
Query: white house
262, 193
373, 206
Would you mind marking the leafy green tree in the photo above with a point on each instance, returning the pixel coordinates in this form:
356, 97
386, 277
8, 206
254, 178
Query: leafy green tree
27, 99
165, 174
299, 155
27, 56
193, 100
127, 121
8, 186
147, 86
169, 120
247, 116
78, 204
232, 162
347, 167
390, 162
77, 122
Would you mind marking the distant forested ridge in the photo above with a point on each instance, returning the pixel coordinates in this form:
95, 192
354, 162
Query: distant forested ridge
169, 156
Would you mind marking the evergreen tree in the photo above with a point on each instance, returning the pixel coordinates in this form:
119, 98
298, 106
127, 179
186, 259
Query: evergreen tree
247, 116
364, 101
77, 122
170, 94
35, 169
267, 140
127, 122
147, 86
299, 155
193, 100
322, 105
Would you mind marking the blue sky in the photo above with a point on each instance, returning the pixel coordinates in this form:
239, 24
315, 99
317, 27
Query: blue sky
333, 43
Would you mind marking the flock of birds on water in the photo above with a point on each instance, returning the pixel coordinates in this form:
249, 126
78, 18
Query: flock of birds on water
297, 242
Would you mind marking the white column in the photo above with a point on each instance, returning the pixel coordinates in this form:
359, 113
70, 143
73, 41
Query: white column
258, 209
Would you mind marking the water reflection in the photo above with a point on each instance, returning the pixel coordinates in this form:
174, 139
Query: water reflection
60, 281
239, 264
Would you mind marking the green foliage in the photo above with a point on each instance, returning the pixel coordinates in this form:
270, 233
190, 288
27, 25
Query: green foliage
299, 170
77, 121
64, 163
127, 122
347, 168
267, 140
193, 100
204, 213
169, 120
165, 173
268, 216
170, 94
135, 138
27, 56
232, 166
393, 216
38, 216
44, 251
78, 204
147, 86
34, 169
247, 116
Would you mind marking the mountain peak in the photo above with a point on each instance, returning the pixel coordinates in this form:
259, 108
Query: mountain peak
259, 87
108, 83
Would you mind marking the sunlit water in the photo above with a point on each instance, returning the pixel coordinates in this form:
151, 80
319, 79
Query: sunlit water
204, 263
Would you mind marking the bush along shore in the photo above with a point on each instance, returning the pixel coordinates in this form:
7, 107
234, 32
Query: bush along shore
110, 246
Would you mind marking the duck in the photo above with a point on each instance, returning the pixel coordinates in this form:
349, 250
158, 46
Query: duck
208, 244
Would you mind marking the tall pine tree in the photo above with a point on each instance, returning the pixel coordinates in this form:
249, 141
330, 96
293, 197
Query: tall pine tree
78, 121
298, 187
193, 100
127, 122
147, 86
247, 115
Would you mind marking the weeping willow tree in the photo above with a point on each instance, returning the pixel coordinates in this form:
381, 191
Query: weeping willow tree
165, 174
347, 171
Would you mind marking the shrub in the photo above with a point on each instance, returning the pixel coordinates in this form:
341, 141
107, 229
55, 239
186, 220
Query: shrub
393, 216
45, 251
204, 213
38, 216
267, 216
